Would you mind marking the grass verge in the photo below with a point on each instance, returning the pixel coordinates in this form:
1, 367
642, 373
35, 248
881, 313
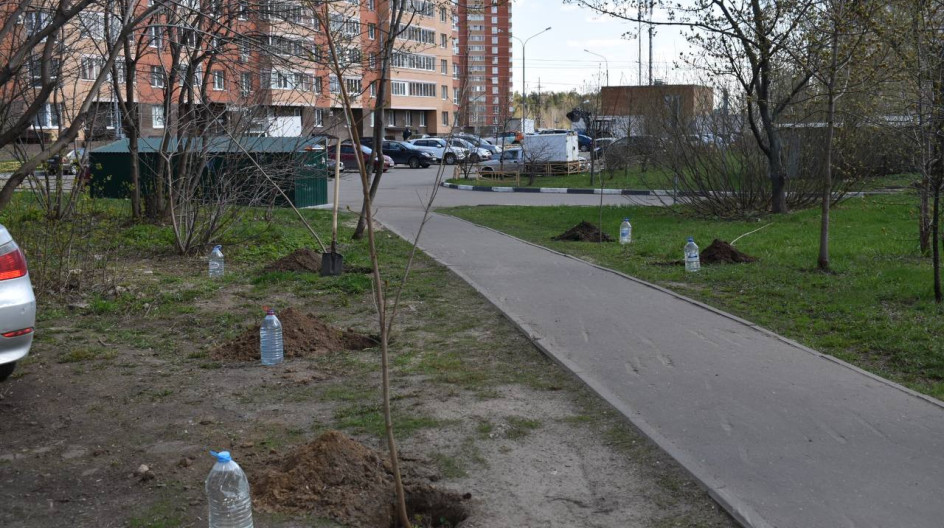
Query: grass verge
875, 308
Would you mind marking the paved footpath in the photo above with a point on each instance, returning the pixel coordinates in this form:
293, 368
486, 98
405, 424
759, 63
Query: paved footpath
781, 435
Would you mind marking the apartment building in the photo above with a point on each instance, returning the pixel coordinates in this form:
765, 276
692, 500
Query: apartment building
258, 68
483, 56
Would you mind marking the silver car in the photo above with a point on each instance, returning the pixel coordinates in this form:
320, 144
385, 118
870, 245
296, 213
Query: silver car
17, 305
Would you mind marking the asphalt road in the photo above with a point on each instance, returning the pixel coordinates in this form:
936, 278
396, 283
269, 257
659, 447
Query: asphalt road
780, 435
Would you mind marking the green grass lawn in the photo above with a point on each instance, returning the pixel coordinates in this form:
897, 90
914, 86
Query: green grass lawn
875, 309
630, 179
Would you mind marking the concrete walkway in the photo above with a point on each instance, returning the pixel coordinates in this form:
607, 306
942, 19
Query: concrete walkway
781, 435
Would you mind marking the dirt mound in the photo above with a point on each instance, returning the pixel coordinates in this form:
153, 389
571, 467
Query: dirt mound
721, 252
337, 477
583, 232
303, 259
303, 335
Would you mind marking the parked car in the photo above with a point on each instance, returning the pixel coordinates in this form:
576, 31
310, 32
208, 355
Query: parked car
18, 309
349, 158
403, 153
584, 142
509, 160
440, 150
476, 154
480, 143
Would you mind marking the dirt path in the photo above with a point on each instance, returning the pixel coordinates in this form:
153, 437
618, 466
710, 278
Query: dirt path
129, 379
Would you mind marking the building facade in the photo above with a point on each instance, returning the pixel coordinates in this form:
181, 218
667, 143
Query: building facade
272, 67
483, 57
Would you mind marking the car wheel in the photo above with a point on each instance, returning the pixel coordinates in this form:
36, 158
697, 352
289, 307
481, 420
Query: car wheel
450, 159
6, 369
414, 163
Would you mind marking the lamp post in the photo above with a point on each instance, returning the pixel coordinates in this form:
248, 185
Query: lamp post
524, 95
605, 61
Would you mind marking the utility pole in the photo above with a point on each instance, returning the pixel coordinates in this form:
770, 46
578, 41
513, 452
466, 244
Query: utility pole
651, 8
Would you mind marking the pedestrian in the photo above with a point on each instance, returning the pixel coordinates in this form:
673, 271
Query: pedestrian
407, 133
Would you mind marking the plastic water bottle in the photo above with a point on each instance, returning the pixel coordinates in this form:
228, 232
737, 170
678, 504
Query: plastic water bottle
626, 232
228, 494
692, 261
216, 262
270, 339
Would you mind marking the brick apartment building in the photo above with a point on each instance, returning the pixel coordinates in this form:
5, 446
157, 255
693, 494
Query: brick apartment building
258, 66
483, 58
647, 110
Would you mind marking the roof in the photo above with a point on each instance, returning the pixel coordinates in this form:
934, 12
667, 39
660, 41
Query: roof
220, 144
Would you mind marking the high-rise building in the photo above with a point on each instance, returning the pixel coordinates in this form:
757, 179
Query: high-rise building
483, 58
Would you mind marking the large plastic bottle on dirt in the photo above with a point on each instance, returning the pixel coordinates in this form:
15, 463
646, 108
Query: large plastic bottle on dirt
626, 232
216, 262
692, 260
270, 339
228, 494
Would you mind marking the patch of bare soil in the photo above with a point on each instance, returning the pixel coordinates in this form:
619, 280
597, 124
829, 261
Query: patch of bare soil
303, 335
303, 259
584, 232
720, 252
337, 477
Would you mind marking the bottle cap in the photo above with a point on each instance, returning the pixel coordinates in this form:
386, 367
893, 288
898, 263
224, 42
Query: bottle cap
222, 457
626, 219
217, 247
691, 239
270, 311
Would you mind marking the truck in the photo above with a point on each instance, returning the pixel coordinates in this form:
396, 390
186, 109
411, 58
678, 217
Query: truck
551, 148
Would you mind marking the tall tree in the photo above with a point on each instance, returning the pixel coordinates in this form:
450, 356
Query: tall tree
749, 40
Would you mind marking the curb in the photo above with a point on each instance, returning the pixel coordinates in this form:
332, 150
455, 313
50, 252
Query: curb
560, 190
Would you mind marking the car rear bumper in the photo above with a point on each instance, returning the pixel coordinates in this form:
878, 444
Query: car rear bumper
17, 312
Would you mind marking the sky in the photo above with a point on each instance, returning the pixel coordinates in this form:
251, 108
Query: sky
557, 58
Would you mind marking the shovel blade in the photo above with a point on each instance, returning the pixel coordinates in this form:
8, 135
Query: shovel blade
331, 264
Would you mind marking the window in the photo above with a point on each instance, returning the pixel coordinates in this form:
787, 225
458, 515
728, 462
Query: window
372, 61
455, 71
89, 68
419, 89
372, 5
279, 80
92, 25
413, 61
316, 85
442, 14
373, 90
48, 116
443, 39
219, 80
416, 34
353, 86
333, 85
245, 83
245, 50
445, 91
397, 87
455, 96
155, 36
158, 77
445, 118
371, 31
157, 116
408, 118
422, 119
444, 66
35, 21
319, 117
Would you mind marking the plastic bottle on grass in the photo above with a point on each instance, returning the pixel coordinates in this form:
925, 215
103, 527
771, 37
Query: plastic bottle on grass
228, 494
626, 232
692, 260
270, 339
216, 262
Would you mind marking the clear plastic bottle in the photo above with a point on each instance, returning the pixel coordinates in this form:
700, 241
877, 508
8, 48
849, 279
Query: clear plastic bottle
626, 232
692, 260
270, 339
228, 494
216, 262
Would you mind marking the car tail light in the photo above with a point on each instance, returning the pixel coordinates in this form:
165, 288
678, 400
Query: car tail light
12, 262
17, 333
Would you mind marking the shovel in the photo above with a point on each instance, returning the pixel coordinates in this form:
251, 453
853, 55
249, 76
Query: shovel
332, 263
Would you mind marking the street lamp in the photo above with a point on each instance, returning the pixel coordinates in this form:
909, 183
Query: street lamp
607, 65
524, 96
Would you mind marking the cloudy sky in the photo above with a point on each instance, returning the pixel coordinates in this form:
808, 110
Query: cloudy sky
557, 58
